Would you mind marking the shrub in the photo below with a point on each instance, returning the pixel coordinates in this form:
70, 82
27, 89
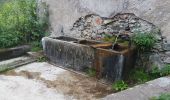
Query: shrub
156, 73
165, 70
119, 85
143, 41
36, 46
19, 23
139, 76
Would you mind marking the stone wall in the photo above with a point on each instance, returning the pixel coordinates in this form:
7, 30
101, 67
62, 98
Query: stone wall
124, 24
63, 13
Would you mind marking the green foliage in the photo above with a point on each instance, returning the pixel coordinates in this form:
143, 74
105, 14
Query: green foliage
160, 72
143, 41
165, 96
155, 72
109, 38
91, 72
4, 68
36, 46
119, 85
139, 76
42, 59
19, 23
165, 70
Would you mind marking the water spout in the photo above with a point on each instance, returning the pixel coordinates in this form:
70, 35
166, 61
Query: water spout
113, 45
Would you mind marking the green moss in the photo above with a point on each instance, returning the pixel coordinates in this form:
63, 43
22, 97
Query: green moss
125, 43
42, 59
4, 68
109, 38
91, 72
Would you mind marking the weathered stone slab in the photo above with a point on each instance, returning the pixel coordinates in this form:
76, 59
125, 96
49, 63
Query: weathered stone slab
144, 91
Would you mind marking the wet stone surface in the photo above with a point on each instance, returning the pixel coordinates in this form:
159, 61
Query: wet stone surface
67, 85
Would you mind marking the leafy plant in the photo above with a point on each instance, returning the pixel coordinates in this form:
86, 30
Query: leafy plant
143, 41
91, 72
139, 76
20, 23
155, 72
165, 96
36, 46
119, 85
42, 59
165, 70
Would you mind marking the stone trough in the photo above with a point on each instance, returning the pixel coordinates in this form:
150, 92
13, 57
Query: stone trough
80, 55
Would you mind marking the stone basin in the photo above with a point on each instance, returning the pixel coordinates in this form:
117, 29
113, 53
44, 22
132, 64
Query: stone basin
81, 55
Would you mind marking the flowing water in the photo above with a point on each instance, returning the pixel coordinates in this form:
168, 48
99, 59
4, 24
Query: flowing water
69, 54
119, 67
113, 67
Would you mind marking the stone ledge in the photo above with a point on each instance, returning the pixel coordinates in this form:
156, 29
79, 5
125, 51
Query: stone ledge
14, 52
144, 91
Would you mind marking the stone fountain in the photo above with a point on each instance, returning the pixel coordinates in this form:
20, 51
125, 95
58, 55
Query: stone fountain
84, 47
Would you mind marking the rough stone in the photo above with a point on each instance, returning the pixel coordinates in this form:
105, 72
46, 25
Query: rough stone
167, 53
167, 60
122, 24
156, 60
166, 46
63, 13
